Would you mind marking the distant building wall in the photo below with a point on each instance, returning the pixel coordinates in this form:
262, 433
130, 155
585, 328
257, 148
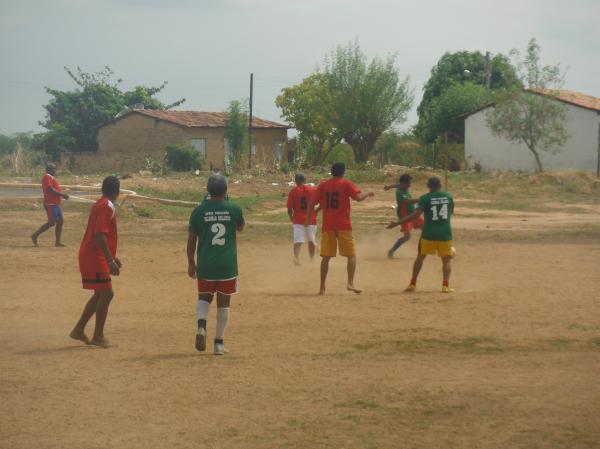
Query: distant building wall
579, 152
125, 144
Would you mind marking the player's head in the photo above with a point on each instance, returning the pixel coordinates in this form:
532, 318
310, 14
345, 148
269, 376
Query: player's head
434, 183
338, 169
50, 168
405, 181
217, 185
111, 187
299, 179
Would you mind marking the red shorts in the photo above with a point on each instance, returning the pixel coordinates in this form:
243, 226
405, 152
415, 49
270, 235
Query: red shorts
96, 281
410, 225
227, 287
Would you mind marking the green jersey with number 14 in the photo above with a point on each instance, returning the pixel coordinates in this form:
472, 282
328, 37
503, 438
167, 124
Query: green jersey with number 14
215, 223
438, 208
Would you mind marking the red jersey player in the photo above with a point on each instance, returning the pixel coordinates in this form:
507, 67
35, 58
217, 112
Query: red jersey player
98, 260
52, 198
334, 196
297, 206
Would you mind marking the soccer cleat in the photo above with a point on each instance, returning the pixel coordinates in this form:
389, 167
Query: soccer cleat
411, 288
446, 289
201, 339
220, 349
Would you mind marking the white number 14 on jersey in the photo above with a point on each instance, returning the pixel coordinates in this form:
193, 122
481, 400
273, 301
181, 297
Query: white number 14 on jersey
443, 212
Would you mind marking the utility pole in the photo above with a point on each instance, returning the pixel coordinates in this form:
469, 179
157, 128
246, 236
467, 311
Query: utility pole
250, 123
488, 70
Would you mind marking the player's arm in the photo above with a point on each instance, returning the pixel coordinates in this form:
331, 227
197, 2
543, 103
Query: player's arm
56, 192
410, 201
191, 253
416, 214
310, 210
291, 214
241, 224
113, 265
391, 186
363, 196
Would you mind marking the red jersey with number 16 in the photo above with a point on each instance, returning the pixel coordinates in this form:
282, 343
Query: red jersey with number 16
102, 220
334, 197
298, 200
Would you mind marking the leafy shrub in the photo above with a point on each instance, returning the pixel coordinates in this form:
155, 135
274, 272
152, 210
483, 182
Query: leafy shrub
340, 153
183, 157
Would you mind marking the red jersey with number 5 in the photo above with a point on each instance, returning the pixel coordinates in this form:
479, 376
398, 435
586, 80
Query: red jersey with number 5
334, 197
103, 220
298, 200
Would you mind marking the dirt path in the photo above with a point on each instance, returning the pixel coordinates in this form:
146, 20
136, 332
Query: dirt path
509, 360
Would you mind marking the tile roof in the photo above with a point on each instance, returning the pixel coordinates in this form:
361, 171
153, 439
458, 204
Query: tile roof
198, 119
566, 96
572, 97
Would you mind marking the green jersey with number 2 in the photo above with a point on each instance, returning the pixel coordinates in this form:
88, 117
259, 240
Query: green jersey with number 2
215, 223
438, 208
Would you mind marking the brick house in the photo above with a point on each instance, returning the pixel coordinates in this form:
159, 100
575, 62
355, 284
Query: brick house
125, 142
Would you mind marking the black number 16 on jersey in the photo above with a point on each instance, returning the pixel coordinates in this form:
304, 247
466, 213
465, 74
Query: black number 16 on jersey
333, 200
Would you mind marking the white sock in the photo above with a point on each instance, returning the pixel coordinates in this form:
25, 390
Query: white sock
222, 319
202, 308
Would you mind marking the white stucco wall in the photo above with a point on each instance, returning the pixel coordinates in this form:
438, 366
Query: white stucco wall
579, 152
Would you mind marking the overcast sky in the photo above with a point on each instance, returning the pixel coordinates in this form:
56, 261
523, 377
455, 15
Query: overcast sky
206, 49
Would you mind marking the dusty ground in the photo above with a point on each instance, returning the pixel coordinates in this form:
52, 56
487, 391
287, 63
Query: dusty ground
510, 360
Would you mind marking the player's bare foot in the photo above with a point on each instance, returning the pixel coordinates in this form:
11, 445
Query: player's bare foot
34, 240
322, 291
102, 342
296, 262
77, 335
352, 288
410, 289
60, 245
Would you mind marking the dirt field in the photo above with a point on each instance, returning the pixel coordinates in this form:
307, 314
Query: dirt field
510, 360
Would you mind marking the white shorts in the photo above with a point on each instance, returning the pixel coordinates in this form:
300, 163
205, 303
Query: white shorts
303, 233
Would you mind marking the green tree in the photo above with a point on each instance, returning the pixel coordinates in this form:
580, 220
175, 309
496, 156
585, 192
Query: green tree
73, 117
236, 130
364, 99
532, 116
305, 108
455, 100
463, 67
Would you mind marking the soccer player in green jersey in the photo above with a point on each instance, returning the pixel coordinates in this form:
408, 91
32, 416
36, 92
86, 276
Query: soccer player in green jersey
405, 206
436, 238
212, 237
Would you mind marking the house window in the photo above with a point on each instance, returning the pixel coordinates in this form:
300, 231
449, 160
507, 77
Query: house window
200, 146
278, 150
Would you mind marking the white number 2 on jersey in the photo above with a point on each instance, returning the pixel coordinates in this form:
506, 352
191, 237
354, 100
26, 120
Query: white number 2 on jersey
219, 230
443, 212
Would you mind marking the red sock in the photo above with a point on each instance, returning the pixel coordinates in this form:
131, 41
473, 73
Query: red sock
413, 281
445, 283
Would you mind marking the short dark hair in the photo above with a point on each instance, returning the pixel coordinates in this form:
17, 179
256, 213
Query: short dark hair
338, 169
434, 182
111, 186
217, 185
50, 166
299, 178
405, 178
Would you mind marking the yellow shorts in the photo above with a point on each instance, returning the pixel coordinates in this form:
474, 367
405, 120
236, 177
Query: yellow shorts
330, 240
433, 247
